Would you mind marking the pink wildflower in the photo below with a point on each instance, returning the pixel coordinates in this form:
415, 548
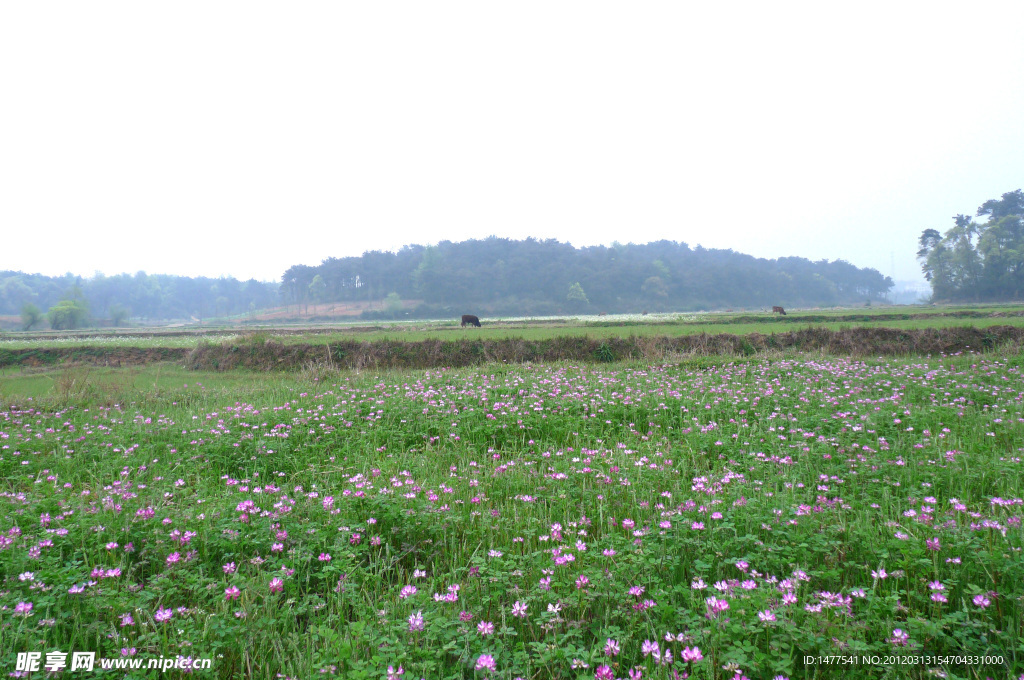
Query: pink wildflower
649, 647
899, 638
486, 662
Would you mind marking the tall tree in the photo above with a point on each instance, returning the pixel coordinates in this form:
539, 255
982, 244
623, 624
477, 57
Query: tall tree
30, 316
1012, 203
317, 289
978, 261
576, 297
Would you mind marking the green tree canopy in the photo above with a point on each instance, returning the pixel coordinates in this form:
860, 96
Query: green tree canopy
30, 316
118, 314
393, 303
317, 288
531, 276
978, 261
68, 315
576, 296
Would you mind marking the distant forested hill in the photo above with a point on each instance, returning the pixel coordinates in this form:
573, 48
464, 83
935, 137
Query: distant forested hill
503, 276
147, 296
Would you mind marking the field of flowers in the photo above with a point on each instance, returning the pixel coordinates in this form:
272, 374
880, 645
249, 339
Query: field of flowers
797, 518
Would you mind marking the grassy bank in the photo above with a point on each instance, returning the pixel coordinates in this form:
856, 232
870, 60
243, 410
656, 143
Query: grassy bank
263, 352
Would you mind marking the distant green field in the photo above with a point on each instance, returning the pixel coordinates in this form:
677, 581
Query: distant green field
671, 325
537, 332
71, 381
70, 385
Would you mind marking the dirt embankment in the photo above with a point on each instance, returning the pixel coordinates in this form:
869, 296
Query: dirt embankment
95, 356
352, 354
259, 353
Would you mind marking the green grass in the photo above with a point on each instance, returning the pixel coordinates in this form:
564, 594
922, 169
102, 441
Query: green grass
837, 497
672, 325
76, 385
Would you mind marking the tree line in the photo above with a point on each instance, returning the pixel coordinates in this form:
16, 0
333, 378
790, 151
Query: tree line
494, 276
71, 301
978, 261
500, 276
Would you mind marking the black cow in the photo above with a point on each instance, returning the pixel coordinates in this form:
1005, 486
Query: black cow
471, 320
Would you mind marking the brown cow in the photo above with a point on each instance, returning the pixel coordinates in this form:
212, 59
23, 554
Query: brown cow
778, 310
471, 320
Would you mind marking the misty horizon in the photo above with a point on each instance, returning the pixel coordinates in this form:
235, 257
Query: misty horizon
129, 272
284, 136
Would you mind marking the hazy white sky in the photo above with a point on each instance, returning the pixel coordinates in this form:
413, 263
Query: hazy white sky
240, 138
